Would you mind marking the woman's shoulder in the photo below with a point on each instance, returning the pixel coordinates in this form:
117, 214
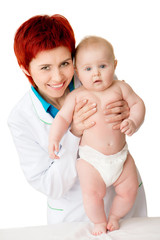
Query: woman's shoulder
20, 101
29, 109
23, 108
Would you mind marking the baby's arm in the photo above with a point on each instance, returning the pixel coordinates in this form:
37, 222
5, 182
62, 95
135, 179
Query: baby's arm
137, 110
60, 124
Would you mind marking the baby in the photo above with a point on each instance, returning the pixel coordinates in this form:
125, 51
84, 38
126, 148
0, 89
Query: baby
104, 158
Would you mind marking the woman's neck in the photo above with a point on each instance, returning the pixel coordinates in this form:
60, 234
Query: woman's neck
56, 102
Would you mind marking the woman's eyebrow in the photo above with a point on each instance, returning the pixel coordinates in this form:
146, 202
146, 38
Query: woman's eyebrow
67, 59
45, 64
49, 64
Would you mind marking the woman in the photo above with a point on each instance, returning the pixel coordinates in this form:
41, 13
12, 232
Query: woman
44, 47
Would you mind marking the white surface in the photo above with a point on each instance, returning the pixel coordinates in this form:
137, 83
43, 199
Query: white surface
131, 229
133, 28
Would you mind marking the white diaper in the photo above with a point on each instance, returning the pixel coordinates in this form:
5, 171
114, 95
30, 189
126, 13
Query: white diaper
109, 166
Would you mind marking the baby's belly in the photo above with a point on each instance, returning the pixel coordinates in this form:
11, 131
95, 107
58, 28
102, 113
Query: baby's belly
103, 138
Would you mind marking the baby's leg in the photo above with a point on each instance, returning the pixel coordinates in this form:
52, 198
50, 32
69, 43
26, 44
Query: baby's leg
93, 191
126, 190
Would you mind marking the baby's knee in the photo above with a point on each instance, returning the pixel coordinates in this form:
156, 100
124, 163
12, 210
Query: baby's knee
131, 191
94, 194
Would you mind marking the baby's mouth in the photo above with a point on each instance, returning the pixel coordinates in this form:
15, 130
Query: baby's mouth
98, 81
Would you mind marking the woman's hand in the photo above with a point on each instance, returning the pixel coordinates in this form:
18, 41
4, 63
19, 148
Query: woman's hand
83, 110
116, 112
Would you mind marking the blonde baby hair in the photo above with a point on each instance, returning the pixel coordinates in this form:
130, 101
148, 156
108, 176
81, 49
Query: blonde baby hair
91, 40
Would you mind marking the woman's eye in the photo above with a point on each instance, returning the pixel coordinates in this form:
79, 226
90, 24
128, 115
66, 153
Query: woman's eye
64, 64
45, 68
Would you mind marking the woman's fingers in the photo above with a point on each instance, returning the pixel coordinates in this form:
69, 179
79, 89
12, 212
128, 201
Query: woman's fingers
81, 117
88, 124
116, 126
117, 118
85, 110
80, 105
117, 108
120, 103
88, 112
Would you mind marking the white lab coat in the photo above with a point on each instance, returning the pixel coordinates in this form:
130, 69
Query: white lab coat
29, 125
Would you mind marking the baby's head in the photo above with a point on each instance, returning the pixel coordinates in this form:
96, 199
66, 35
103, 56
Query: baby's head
92, 42
95, 60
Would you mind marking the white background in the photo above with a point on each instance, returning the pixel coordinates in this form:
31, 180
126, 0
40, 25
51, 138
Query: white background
132, 26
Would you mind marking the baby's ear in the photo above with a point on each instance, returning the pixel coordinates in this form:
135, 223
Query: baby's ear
75, 69
25, 71
115, 63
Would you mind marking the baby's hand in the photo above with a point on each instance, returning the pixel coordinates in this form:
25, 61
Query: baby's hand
53, 146
128, 127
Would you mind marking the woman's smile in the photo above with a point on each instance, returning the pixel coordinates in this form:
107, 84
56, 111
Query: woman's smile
56, 86
52, 71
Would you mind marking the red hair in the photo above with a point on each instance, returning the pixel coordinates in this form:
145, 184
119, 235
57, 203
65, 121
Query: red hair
41, 33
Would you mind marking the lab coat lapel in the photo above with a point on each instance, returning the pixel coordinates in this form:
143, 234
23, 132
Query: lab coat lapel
41, 113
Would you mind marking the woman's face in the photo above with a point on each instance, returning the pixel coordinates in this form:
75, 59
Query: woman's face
52, 70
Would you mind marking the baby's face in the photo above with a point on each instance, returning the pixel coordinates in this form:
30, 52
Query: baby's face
95, 67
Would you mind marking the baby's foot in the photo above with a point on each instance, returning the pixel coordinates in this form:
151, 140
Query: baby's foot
113, 224
99, 228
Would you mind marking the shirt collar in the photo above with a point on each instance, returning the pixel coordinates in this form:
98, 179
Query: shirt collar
43, 102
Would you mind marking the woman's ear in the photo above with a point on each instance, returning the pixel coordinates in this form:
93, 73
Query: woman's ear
25, 71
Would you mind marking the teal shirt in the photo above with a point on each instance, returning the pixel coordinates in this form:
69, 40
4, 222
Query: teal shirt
49, 108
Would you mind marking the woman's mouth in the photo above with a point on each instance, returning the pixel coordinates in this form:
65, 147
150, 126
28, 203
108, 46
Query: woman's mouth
57, 86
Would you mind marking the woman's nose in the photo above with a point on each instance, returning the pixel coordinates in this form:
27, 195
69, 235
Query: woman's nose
56, 75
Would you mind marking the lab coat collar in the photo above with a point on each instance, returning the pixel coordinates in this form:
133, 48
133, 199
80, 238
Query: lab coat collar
39, 109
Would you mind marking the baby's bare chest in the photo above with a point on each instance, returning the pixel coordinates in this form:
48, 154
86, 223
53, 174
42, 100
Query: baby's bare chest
102, 99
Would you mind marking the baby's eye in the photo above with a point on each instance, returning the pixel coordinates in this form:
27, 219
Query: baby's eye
88, 69
102, 66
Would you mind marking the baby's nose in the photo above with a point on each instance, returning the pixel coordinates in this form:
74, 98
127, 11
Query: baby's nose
96, 72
